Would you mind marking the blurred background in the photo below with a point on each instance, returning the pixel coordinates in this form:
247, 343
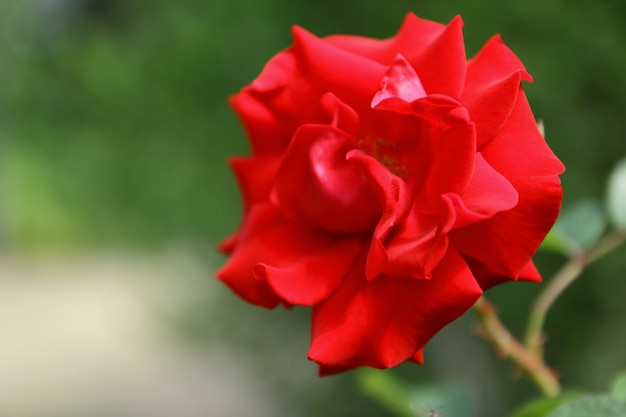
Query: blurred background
114, 191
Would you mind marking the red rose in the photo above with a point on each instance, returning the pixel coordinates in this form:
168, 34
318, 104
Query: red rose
390, 183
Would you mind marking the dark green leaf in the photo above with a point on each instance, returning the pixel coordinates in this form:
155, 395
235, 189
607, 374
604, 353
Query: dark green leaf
410, 400
579, 227
386, 390
543, 406
591, 406
441, 401
556, 241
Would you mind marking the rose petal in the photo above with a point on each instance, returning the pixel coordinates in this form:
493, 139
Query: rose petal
265, 129
271, 107
311, 277
418, 357
491, 105
318, 186
403, 244
487, 278
227, 245
440, 135
491, 87
436, 52
487, 194
413, 33
354, 79
395, 199
384, 322
530, 273
520, 152
492, 63
441, 64
238, 272
418, 244
276, 74
278, 260
255, 176
266, 132
343, 116
333, 370
499, 248
401, 81
453, 158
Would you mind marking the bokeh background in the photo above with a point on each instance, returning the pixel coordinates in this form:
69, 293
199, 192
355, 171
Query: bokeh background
114, 191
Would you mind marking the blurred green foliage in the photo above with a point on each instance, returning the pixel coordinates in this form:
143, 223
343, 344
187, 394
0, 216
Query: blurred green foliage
115, 129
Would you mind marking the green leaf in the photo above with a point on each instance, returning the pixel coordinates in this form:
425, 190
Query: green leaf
618, 388
616, 195
386, 390
441, 400
543, 406
591, 406
411, 400
579, 227
556, 241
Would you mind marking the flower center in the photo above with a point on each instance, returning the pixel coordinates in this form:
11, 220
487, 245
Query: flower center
385, 152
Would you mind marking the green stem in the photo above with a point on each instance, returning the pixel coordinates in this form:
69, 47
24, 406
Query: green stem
529, 356
509, 346
561, 280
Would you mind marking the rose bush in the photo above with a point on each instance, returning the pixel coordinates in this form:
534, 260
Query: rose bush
390, 183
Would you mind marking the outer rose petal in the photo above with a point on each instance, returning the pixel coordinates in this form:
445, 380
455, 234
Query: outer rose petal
352, 78
255, 176
267, 132
228, 244
278, 260
277, 73
491, 106
271, 107
498, 249
530, 273
413, 33
384, 322
436, 51
238, 272
491, 87
418, 357
441, 64
519, 152
492, 63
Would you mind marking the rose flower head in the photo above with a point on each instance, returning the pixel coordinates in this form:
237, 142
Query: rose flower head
390, 183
